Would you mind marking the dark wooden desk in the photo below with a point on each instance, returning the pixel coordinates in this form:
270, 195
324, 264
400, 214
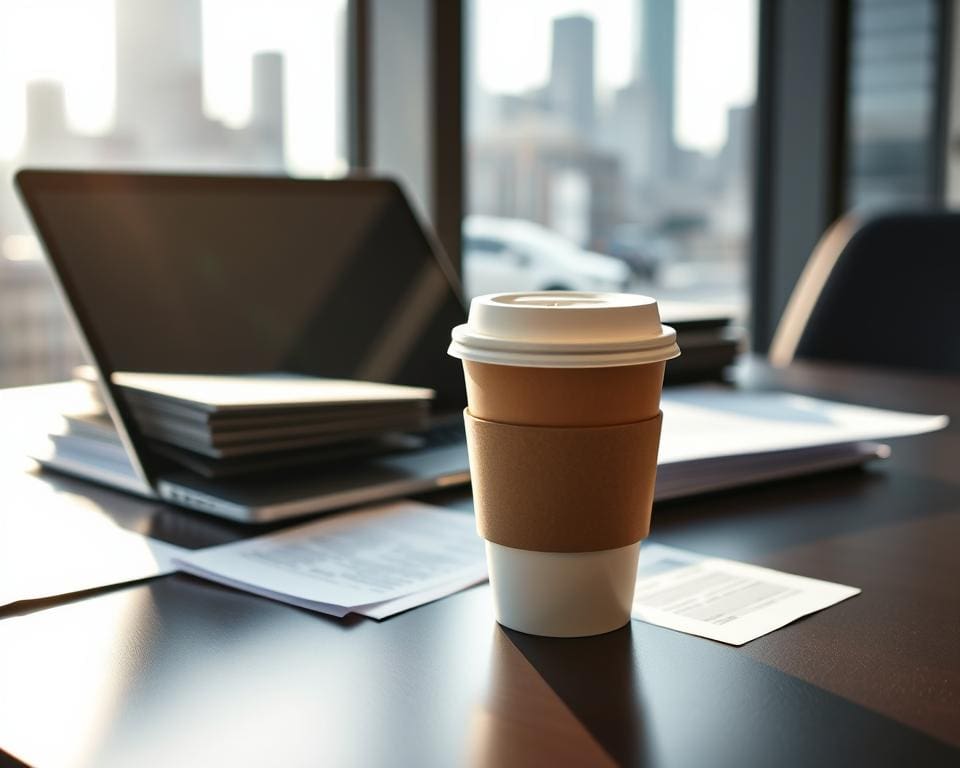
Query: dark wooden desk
179, 672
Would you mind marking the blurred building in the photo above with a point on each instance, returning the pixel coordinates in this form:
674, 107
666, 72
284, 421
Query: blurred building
537, 157
571, 91
534, 168
892, 150
655, 59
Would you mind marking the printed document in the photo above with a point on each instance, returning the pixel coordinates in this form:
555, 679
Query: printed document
708, 422
722, 599
376, 561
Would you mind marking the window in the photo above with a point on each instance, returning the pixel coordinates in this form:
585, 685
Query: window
613, 141
188, 85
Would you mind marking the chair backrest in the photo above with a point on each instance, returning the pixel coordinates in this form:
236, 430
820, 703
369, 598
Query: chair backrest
882, 292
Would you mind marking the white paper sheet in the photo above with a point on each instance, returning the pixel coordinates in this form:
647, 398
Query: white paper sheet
55, 570
722, 599
707, 422
376, 561
52, 545
383, 610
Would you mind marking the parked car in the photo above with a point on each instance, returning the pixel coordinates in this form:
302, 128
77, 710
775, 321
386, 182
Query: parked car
516, 255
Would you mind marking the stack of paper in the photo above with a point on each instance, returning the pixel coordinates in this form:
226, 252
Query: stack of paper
709, 335
375, 562
715, 437
253, 415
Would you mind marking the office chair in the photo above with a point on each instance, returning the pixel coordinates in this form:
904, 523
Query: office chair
883, 291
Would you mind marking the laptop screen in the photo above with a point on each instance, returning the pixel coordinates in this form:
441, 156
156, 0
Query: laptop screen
179, 274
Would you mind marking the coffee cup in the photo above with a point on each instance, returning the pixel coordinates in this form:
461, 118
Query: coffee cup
563, 425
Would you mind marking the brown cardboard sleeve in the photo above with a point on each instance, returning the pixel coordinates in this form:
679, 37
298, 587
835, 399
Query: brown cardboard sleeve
563, 489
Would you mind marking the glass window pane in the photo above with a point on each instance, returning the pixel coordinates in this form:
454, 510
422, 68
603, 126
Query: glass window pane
891, 104
611, 144
186, 85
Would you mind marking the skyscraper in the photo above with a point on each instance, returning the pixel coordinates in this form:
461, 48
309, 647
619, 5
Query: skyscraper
655, 64
571, 88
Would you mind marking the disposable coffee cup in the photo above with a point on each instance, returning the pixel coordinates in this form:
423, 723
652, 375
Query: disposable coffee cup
563, 426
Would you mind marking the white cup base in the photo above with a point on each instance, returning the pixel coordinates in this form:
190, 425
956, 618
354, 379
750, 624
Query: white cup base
562, 594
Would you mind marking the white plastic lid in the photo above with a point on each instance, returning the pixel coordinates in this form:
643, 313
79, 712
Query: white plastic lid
564, 329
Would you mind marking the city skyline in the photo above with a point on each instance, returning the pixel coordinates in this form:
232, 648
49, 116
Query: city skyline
84, 62
707, 32
624, 151
80, 53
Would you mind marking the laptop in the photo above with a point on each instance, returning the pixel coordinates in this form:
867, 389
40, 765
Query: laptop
245, 274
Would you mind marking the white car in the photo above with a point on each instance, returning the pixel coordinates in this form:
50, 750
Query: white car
517, 255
